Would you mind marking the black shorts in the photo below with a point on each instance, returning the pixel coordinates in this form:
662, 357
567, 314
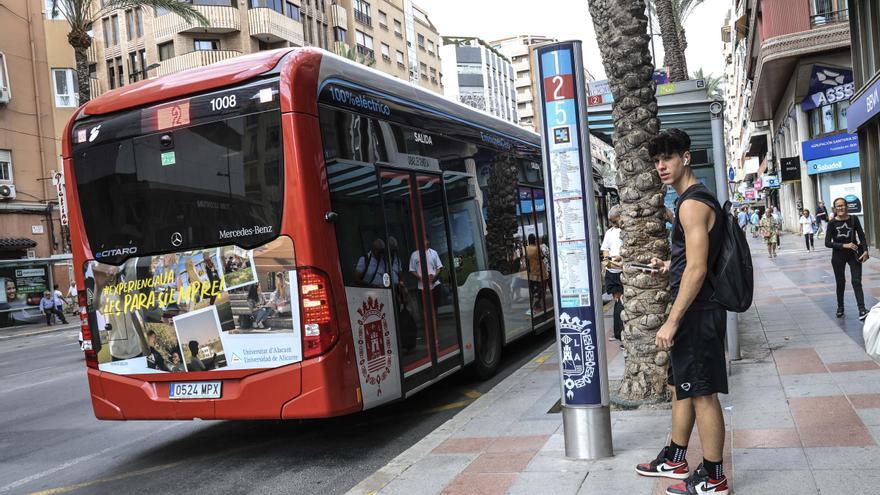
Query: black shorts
698, 364
612, 283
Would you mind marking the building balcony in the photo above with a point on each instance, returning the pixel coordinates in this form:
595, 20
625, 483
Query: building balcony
778, 56
365, 52
338, 16
197, 58
92, 52
362, 18
272, 27
221, 19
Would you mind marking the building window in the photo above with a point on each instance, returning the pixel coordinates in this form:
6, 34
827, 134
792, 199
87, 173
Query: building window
276, 5
4, 75
362, 12
400, 61
133, 71
111, 74
65, 88
142, 56
430, 47
206, 44
120, 77
383, 20
220, 3
166, 50
828, 119
364, 43
386, 52
339, 34
129, 24
398, 29
842, 107
828, 11
6, 165
293, 12
111, 31
421, 41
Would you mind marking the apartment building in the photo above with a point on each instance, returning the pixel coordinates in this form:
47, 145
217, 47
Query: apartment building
792, 66
393, 36
478, 75
519, 50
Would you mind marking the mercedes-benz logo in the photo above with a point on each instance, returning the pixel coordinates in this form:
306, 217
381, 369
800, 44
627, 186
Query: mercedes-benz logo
176, 239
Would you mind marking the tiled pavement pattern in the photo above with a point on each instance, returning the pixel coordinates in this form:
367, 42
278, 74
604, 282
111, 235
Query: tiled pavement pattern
803, 414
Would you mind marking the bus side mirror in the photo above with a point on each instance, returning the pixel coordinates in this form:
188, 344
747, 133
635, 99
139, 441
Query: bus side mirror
331, 216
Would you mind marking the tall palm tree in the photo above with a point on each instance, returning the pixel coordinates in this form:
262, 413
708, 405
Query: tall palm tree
673, 52
621, 30
681, 10
82, 14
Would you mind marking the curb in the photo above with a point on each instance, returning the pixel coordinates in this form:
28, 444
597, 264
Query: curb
69, 326
378, 480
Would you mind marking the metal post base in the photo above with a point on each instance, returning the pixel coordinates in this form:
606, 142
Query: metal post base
733, 336
587, 432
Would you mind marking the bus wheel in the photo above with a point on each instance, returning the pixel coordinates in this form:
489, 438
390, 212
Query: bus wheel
487, 340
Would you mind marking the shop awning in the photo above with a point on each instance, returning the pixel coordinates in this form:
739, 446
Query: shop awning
16, 243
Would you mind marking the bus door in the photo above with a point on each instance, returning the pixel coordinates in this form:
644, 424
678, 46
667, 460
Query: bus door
417, 221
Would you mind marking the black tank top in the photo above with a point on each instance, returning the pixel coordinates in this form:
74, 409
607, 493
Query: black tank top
701, 193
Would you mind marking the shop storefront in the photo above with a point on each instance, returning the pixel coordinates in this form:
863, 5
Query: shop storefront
834, 163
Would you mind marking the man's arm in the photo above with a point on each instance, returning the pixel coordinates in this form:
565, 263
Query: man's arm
695, 218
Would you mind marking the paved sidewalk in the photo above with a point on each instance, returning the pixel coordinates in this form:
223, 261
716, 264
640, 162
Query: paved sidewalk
803, 414
38, 328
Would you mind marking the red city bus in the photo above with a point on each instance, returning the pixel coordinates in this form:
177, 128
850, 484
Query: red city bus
289, 234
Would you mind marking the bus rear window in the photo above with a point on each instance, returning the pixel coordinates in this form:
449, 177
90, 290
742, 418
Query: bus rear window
216, 183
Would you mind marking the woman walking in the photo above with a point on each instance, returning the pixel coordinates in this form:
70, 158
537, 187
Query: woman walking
808, 228
770, 232
846, 238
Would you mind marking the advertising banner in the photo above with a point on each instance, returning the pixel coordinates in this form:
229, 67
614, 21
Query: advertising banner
201, 310
23, 287
771, 181
863, 108
833, 164
836, 145
568, 191
852, 193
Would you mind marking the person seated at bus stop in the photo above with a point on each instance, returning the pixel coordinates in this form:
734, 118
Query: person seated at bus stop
372, 267
47, 306
196, 364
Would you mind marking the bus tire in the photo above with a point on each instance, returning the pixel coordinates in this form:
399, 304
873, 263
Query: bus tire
487, 340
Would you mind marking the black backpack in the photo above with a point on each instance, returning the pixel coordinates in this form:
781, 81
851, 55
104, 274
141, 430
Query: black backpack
732, 278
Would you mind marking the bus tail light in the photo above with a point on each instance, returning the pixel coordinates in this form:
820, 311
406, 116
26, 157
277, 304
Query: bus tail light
91, 355
320, 332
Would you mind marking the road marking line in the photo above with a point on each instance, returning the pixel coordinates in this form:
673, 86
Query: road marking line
69, 374
473, 394
541, 359
446, 407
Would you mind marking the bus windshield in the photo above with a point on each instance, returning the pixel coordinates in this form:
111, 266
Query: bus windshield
216, 182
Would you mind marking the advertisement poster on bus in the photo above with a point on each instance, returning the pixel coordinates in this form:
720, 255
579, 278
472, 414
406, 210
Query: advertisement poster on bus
23, 286
200, 310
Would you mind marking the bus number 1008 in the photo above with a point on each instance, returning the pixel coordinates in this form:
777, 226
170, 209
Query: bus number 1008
223, 102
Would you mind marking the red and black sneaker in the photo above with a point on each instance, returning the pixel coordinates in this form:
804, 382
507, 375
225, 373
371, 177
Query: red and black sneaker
663, 467
700, 482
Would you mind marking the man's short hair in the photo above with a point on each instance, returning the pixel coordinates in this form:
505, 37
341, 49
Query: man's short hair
669, 142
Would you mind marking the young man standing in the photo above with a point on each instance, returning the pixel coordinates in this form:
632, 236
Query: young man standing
694, 332
821, 218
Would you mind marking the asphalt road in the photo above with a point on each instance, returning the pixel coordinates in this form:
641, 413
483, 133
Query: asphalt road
50, 442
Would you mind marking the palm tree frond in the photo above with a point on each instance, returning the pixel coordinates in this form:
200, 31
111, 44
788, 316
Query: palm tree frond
183, 9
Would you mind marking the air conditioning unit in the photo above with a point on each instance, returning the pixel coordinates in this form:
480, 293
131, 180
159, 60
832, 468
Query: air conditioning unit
5, 95
7, 191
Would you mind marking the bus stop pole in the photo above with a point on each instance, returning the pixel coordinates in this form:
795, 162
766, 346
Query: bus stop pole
716, 111
573, 239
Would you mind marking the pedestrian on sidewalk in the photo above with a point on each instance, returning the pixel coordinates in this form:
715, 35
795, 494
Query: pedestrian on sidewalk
770, 232
808, 228
693, 334
611, 245
47, 306
58, 297
777, 217
846, 238
821, 219
754, 219
742, 218
73, 296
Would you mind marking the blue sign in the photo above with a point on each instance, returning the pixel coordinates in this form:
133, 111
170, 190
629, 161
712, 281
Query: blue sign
833, 164
863, 108
568, 192
731, 174
823, 147
771, 181
828, 85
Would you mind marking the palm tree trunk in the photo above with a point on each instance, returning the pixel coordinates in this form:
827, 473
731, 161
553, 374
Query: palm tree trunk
80, 41
621, 30
673, 52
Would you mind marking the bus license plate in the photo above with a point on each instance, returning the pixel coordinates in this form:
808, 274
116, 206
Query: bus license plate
195, 390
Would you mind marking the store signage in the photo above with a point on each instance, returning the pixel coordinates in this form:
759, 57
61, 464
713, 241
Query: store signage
838, 144
863, 108
749, 194
828, 85
791, 168
58, 182
573, 239
833, 164
758, 184
771, 181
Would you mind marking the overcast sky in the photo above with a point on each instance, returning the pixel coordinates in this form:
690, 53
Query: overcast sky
569, 19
